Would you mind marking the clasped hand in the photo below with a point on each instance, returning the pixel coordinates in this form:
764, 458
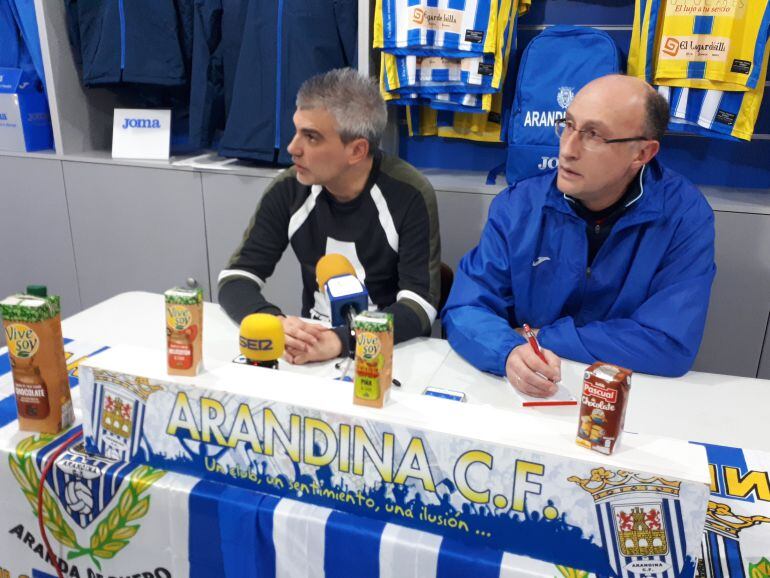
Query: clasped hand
306, 342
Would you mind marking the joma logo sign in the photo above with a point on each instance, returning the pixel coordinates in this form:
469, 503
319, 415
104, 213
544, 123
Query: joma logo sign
141, 123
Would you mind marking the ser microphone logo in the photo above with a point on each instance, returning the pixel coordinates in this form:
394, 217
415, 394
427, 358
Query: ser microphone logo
256, 344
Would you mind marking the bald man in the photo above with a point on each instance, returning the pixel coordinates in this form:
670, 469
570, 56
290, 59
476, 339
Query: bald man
610, 257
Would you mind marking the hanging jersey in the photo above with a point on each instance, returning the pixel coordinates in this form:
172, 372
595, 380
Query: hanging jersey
490, 127
454, 28
402, 98
641, 52
459, 102
432, 74
703, 44
472, 125
723, 114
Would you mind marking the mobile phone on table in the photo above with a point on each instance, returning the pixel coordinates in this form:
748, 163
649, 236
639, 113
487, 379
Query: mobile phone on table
444, 393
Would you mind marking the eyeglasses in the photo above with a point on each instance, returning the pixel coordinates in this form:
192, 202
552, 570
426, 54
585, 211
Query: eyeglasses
589, 138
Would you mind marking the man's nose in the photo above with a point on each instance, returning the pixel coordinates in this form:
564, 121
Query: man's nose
570, 145
294, 148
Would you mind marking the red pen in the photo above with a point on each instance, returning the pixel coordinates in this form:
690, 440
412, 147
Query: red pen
530, 335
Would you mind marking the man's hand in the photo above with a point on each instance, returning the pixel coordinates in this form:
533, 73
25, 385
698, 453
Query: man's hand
327, 346
300, 335
522, 368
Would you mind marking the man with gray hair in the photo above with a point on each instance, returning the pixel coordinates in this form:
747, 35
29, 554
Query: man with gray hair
343, 195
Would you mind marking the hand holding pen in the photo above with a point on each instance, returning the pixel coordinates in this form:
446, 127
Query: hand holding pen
532, 369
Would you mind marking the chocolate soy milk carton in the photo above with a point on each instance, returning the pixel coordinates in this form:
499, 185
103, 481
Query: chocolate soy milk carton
374, 358
184, 330
603, 406
32, 327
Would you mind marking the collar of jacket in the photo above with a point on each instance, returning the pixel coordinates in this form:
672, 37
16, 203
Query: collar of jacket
650, 204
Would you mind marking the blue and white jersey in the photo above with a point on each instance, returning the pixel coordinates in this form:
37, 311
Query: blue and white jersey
722, 114
459, 102
454, 28
435, 74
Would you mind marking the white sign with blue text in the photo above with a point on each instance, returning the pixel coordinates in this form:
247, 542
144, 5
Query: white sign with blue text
141, 133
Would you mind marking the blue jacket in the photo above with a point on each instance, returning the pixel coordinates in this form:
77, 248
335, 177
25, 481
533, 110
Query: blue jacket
23, 44
284, 43
141, 41
19, 41
642, 304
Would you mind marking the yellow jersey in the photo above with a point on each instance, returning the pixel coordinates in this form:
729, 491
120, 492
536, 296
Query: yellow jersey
715, 113
710, 44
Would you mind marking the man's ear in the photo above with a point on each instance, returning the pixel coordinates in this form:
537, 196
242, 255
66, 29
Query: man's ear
646, 153
358, 150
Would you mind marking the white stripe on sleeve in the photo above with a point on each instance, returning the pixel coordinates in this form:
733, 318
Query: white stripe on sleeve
298, 218
226, 274
430, 311
386, 220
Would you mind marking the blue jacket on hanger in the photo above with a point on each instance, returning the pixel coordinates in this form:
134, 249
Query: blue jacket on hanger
23, 45
641, 304
141, 41
20, 43
284, 43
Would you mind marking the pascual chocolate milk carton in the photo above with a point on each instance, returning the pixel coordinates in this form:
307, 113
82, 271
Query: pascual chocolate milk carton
32, 326
603, 406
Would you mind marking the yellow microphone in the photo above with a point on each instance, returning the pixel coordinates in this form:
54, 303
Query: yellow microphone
332, 265
262, 340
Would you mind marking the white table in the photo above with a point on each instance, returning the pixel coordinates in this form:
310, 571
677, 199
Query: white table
726, 410
705, 407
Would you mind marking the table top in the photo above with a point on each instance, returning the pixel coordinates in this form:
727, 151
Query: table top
702, 407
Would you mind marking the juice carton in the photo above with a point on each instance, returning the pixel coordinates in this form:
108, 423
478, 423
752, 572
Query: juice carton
374, 358
184, 330
603, 406
32, 326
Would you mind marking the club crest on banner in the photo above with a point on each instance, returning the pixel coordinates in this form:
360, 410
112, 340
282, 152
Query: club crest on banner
640, 521
721, 548
118, 410
84, 484
87, 502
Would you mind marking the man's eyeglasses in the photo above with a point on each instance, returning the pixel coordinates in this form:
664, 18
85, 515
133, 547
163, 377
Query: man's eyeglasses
590, 139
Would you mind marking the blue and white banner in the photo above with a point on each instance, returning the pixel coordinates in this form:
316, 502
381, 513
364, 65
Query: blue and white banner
147, 523
301, 438
736, 539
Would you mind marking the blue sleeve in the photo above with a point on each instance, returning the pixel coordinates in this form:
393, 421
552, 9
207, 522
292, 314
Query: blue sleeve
24, 11
663, 335
346, 14
207, 76
476, 315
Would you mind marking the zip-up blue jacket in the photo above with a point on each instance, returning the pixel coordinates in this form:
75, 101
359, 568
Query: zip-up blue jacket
284, 43
19, 43
19, 38
142, 41
642, 304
